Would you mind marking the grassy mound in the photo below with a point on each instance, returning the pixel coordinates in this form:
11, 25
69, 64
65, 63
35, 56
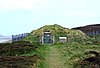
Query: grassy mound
57, 31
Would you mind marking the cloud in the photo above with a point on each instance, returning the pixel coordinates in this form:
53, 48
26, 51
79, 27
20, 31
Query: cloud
83, 13
78, 8
41, 4
15, 4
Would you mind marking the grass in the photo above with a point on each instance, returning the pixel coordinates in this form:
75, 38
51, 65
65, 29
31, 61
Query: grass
18, 55
42, 52
17, 61
16, 49
47, 56
73, 53
64, 55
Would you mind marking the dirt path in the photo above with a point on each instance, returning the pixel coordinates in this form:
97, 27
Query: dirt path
54, 59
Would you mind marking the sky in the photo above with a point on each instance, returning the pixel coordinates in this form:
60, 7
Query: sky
22, 16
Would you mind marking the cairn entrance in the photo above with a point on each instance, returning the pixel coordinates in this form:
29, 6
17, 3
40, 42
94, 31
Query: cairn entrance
47, 38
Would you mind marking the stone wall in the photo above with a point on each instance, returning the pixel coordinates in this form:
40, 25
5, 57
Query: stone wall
90, 29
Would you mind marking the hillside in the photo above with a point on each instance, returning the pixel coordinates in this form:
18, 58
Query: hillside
73, 54
57, 31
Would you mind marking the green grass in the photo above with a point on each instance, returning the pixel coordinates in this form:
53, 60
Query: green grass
73, 53
18, 55
69, 54
16, 49
52, 56
42, 52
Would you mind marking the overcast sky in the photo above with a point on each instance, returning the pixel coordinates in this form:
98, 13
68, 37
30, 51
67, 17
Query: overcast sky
22, 16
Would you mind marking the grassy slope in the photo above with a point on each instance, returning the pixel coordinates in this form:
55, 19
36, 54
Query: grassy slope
18, 55
64, 56
74, 53
17, 61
